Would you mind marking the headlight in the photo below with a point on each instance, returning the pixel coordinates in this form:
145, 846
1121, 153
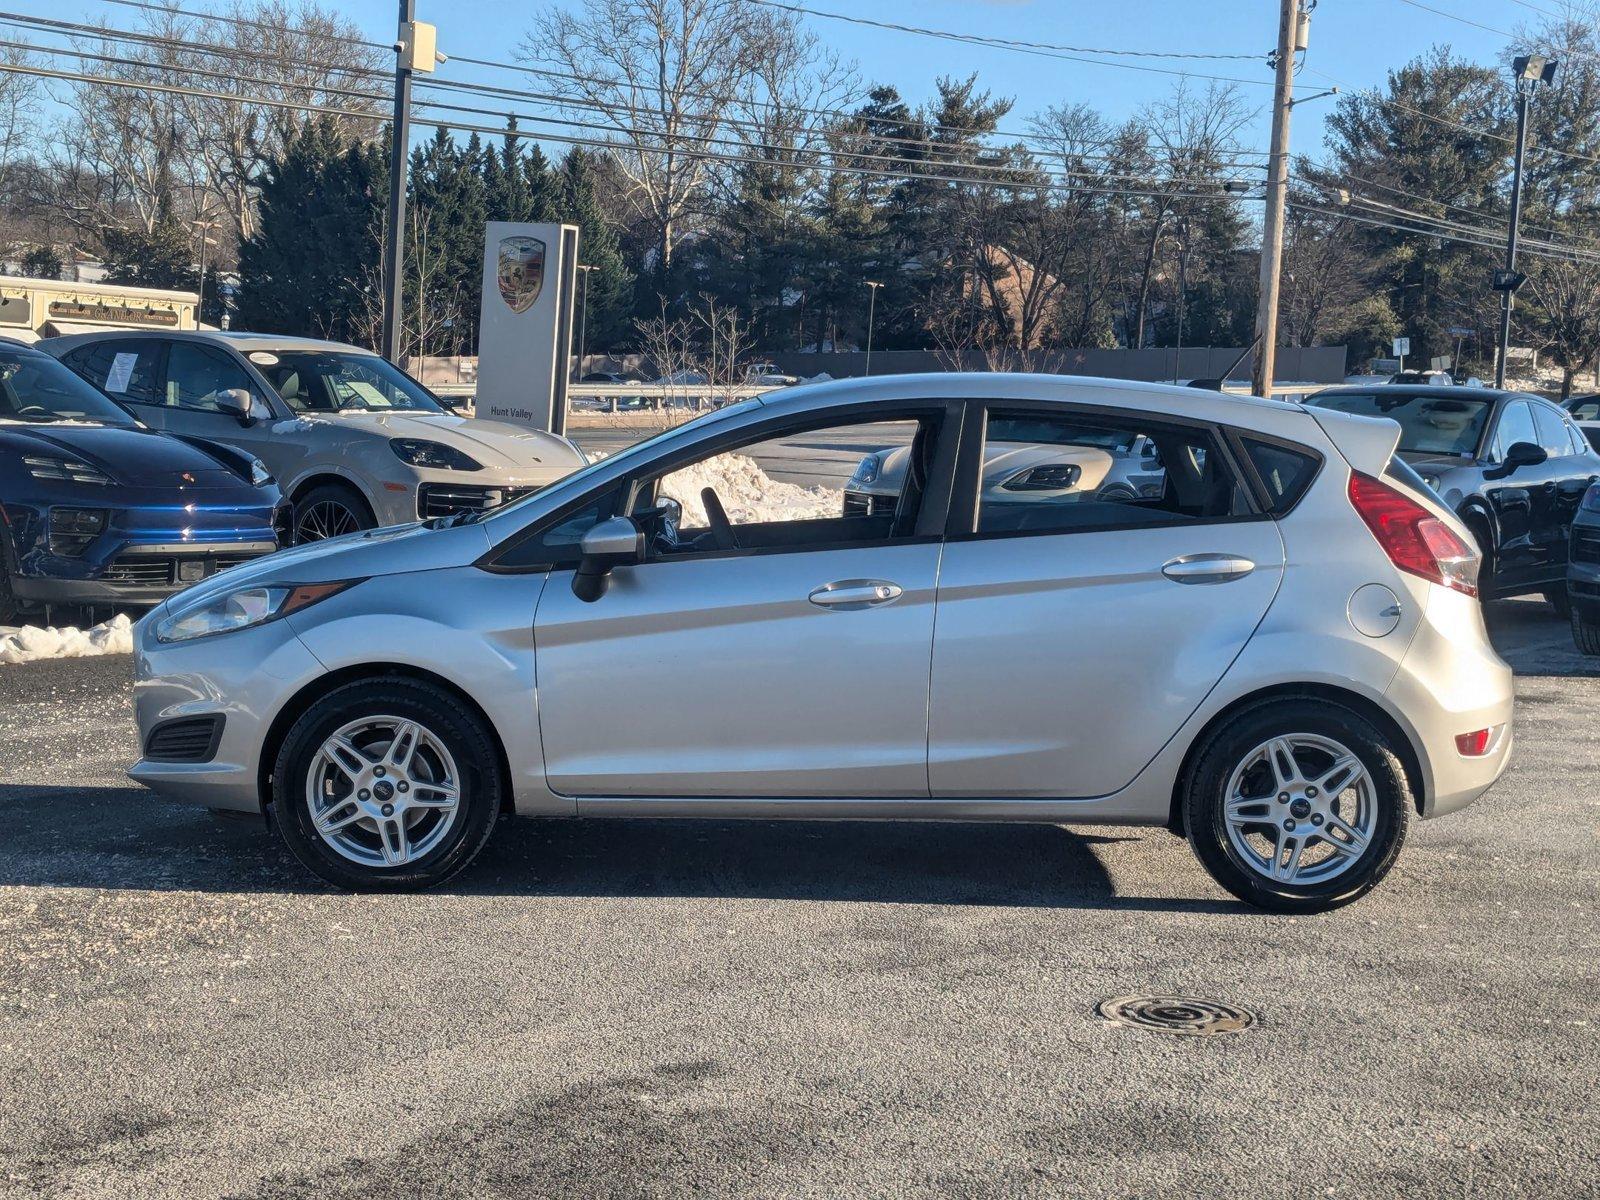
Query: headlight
259, 475
1591, 499
242, 608
66, 469
1051, 477
434, 455
867, 470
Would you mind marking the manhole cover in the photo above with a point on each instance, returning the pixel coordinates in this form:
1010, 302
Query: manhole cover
1177, 1014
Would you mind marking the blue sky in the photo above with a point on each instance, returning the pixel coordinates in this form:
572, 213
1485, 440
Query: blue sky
1353, 41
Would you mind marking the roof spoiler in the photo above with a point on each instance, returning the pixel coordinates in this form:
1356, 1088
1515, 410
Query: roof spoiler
1367, 443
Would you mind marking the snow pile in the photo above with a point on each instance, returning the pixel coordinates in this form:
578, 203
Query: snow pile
747, 492
30, 643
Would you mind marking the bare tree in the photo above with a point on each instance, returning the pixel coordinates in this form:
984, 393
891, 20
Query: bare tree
1566, 304
724, 346
665, 76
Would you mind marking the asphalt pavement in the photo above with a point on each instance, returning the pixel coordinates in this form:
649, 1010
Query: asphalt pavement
665, 1008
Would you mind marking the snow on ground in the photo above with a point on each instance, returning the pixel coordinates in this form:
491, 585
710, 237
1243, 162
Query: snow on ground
747, 492
30, 643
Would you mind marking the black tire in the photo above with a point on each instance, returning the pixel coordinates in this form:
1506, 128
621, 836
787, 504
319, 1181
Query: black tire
1231, 745
460, 731
10, 609
1559, 600
1585, 630
330, 510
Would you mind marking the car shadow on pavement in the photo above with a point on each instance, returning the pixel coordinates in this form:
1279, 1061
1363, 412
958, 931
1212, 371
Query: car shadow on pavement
1529, 635
127, 839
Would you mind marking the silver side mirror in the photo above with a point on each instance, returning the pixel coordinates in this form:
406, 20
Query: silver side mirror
239, 405
614, 542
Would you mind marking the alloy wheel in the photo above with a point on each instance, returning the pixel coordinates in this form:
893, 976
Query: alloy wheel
383, 791
1300, 809
325, 519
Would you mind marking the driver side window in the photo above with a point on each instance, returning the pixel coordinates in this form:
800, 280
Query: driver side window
198, 375
808, 487
1516, 425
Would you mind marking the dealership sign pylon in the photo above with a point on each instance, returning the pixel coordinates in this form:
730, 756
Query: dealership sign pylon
525, 330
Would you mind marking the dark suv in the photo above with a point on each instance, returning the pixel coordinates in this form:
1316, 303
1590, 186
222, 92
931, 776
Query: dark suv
1514, 466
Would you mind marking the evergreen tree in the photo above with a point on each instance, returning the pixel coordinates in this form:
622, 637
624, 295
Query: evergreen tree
610, 283
312, 265
161, 258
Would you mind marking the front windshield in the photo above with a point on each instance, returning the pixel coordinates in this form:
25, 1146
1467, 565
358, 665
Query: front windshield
330, 381
1429, 424
36, 388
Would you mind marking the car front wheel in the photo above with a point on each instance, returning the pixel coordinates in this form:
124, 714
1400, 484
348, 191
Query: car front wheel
330, 510
1297, 805
1586, 627
387, 785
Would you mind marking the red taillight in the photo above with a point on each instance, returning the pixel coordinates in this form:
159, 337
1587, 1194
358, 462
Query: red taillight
1473, 744
1414, 539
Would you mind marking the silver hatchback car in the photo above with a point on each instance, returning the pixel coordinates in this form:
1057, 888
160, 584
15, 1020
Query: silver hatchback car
1280, 655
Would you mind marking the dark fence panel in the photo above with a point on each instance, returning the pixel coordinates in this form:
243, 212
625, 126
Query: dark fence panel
1314, 364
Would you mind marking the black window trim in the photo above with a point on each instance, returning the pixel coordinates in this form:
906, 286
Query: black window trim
931, 514
964, 501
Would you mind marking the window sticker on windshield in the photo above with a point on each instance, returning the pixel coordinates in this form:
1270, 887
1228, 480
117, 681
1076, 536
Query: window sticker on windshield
121, 371
263, 358
369, 395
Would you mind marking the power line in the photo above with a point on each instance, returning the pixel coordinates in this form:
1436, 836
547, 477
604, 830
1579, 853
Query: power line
1450, 16
1009, 43
597, 143
545, 72
1020, 48
1225, 159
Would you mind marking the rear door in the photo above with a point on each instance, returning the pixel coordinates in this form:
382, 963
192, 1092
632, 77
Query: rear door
1517, 499
196, 375
1079, 628
1567, 473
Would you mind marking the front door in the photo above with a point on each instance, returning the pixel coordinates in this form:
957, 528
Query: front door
770, 646
196, 376
1080, 626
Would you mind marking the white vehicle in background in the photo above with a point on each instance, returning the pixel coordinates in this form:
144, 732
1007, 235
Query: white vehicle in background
353, 441
1105, 466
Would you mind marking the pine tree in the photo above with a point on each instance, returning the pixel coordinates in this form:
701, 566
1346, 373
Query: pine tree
315, 254
610, 283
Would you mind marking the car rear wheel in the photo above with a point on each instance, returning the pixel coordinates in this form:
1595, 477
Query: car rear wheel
1559, 600
1586, 628
387, 785
1297, 805
10, 610
330, 510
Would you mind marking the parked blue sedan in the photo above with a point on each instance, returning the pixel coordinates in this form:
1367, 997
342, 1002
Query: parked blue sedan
97, 509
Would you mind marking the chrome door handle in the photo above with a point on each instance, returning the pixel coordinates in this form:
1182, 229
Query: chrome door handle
849, 594
1207, 568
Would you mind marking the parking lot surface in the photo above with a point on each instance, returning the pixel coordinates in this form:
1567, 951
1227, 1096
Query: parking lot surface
848, 1009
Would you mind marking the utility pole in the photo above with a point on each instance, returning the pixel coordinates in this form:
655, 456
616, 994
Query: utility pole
394, 254
1529, 71
1293, 27
872, 311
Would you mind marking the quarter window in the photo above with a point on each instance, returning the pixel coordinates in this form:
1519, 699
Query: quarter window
198, 375
1285, 473
1048, 473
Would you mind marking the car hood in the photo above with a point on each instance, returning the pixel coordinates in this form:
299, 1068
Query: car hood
492, 443
135, 457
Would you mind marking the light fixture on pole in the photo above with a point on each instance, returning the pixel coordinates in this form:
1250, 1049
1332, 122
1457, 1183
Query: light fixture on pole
872, 311
1528, 71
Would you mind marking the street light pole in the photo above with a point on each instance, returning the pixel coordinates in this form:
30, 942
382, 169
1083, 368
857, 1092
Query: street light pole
205, 227
400, 135
872, 311
1528, 70
583, 322
1292, 28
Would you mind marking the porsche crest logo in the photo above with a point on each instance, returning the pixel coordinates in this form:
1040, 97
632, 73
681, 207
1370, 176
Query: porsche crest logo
521, 271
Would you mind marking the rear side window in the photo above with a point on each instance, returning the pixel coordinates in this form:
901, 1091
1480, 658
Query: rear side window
126, 370
1285, 473
1552, 431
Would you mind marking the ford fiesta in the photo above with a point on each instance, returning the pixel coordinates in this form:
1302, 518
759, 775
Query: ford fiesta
97, 509
1279, 652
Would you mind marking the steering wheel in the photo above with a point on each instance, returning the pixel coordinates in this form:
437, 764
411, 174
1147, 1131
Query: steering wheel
717, 517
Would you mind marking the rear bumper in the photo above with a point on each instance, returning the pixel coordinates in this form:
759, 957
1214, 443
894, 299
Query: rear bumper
1452, 682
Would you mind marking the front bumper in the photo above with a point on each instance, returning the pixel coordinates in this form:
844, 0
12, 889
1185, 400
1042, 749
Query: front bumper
244, 677
424, 494
137, 575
